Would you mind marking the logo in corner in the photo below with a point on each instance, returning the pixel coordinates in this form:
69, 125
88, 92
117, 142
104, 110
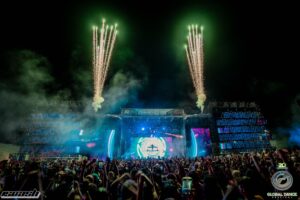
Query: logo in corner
282, 180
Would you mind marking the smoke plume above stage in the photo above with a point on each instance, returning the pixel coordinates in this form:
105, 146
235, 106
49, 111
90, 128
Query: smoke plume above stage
30, 86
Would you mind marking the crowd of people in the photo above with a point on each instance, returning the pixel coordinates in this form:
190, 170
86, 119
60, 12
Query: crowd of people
243, 176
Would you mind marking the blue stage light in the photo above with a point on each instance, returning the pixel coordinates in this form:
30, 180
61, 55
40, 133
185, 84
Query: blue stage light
110, 146
77, 150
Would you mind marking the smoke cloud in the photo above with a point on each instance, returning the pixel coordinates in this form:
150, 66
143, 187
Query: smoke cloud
122, 89
22, 87
28, 86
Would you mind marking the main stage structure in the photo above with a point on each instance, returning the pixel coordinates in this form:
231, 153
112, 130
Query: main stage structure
223, 127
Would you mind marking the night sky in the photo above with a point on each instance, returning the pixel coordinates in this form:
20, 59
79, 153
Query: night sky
250, 49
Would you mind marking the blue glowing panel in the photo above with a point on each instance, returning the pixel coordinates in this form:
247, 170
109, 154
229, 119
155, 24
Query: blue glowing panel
201, 142
77, 150
152, 147
110, 146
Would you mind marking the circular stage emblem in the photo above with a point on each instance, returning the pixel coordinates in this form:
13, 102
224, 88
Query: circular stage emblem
282, 180
152, 147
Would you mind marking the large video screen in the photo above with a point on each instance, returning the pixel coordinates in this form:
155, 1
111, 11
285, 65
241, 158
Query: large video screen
153, 137
155, 147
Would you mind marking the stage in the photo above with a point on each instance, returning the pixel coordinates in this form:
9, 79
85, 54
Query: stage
150, 133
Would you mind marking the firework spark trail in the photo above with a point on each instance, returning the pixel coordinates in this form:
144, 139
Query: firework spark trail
103, 43
194, 54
